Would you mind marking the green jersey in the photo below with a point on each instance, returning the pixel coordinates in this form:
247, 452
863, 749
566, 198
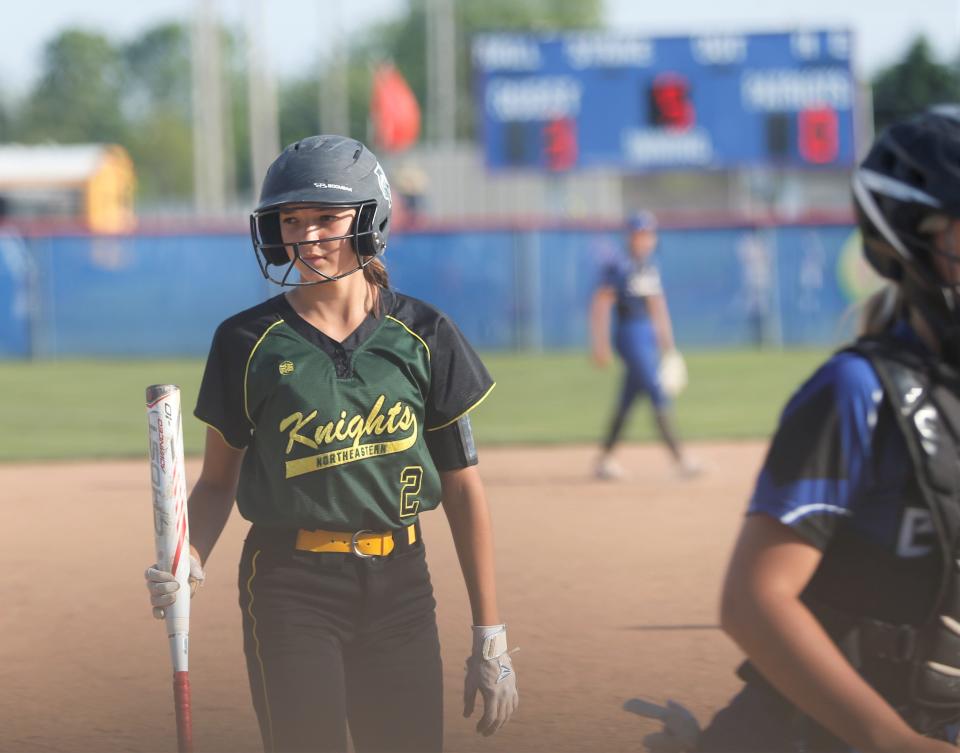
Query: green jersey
335, 432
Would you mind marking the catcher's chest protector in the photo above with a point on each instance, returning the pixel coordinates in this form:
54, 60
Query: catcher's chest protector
925, 398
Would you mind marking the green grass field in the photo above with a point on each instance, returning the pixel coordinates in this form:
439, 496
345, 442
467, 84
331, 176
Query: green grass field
74, 409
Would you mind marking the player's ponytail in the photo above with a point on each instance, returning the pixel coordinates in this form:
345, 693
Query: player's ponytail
881, 310
376, 274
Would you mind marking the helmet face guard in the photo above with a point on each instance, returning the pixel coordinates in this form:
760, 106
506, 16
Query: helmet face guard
321, 171
272, 252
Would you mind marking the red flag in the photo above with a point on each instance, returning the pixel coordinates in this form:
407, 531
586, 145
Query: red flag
394, 110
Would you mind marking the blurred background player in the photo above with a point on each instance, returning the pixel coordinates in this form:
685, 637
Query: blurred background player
643, 337
843, 589
337, 413
17, 275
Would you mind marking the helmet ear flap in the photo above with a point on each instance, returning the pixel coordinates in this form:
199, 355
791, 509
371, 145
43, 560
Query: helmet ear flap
369, 239
268, 229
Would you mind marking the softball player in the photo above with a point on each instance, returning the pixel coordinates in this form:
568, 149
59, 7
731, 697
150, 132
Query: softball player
642, 334
843, 589
337, 414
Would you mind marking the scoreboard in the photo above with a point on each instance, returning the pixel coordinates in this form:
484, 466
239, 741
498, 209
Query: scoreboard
639, 103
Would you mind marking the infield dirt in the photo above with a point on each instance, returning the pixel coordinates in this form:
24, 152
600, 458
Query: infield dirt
609, 589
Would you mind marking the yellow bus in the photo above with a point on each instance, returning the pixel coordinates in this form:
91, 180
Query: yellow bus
84, 186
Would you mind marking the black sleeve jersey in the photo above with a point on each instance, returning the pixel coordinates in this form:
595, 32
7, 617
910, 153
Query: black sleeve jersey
220, 403
458, 379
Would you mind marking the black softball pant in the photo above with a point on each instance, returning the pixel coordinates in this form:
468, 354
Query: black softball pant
760, 720
332, 639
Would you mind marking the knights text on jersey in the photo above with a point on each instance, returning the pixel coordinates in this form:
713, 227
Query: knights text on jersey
838, 473
335, 431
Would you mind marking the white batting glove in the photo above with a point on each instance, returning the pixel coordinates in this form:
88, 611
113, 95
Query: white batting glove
490, 670
163, 586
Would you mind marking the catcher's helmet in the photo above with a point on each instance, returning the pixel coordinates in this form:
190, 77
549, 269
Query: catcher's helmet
905, 191
322, 171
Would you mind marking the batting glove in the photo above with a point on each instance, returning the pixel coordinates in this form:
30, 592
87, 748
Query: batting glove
490, 671
163, 586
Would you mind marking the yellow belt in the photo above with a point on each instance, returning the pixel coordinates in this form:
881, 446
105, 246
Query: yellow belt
361, 543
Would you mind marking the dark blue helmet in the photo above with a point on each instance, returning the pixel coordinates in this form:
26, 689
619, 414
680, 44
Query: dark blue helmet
322, 171
911, 172
905, 191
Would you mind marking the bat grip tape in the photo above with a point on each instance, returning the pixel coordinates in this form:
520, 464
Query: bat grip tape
181, 700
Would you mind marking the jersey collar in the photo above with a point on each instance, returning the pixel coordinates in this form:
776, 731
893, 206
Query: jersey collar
321, 339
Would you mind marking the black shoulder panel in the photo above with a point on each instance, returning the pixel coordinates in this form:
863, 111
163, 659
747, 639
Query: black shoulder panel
220, 402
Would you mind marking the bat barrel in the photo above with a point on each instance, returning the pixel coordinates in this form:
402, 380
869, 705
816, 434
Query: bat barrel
158, 391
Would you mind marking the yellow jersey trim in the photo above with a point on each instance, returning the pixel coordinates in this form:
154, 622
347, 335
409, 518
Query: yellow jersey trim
422, 342
246, 370
454, 420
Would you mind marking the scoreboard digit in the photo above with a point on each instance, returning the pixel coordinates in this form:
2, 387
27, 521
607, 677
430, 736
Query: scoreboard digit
818, 135
669, 101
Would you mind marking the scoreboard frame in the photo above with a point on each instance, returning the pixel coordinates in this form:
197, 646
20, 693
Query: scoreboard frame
601, 99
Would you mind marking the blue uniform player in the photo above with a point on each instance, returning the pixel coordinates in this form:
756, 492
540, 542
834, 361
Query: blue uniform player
643, 337
843, 587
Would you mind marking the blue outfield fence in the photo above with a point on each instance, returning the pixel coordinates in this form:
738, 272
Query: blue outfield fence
160, 295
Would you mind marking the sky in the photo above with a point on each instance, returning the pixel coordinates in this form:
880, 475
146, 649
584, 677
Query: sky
297, 30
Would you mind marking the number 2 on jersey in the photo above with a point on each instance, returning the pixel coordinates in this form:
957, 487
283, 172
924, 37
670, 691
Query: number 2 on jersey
410, 479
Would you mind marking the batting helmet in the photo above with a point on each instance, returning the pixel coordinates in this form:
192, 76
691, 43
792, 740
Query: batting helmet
642, 219
905, 191
322, 171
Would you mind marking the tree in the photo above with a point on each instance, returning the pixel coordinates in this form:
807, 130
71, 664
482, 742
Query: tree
298, 108
138, 94
158, 109
78, 96
158, 68
533, 15
913, 84
161, 147
6, 121
404, 40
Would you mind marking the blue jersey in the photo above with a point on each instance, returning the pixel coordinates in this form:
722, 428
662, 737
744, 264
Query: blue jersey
839, 475
633, 281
